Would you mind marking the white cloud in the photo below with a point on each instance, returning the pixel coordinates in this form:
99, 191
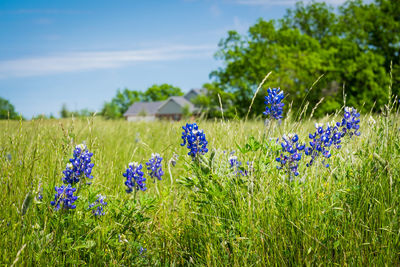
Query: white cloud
43, 11
43, 21
80, 61
239, 25
215, 10
283, 2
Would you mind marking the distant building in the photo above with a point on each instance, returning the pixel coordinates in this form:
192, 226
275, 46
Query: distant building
172, 108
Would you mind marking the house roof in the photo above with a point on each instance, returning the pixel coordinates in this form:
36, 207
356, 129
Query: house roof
150, 108
199, 91
194, 92
181, 101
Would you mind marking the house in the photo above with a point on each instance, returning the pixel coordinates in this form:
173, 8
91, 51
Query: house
173, 108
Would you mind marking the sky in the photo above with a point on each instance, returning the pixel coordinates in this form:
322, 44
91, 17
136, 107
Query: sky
79, 53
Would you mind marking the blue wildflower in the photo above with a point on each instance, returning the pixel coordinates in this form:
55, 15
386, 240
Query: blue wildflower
39, 195
134, 177
65, 196
98, 206
322, 140
154, 166
174, 159
290, 155
79, 166
137, 139
250, 166
195, 140
350, 122
142, 250
122, 239
274, 103
235, 165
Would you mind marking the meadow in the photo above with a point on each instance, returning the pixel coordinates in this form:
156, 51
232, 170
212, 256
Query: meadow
203, 211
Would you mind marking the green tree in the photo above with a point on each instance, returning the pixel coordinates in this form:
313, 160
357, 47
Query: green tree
209, 102
126, 98
161, 92
120, 103
186, 111
111, 110
317, 20
40, 117
375, 27
65, 113
307, 43
7, 110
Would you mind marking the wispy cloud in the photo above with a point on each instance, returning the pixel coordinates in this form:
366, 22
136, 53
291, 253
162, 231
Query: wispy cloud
239, 25
215, 10
43, 21
81, 61
43, 11
283, 2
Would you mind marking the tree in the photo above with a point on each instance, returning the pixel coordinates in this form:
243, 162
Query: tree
186, 111
316, 20
40, 117
161, 92
111, 110
209, 102
120, 103
64, 112
7, 110
83, 113
126, 98
375, 27
309, 42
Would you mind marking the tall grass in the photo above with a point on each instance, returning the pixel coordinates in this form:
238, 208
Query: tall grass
347, 214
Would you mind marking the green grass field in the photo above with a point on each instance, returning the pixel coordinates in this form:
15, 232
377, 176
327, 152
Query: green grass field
200, 213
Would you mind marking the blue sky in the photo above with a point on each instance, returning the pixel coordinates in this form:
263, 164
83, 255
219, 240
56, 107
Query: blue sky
80, 52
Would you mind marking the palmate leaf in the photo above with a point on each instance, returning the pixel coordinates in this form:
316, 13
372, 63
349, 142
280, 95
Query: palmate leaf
251, 145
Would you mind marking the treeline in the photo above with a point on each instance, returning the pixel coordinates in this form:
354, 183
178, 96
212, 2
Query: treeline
66, 113
315, 53
113, 109
123, 99
7, 110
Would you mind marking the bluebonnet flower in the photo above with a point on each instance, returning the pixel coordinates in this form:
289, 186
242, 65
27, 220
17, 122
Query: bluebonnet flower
274, 103
174, 159
290, 155
65, 196
235, 165
195, 140
98, 205
350, 122
322, 140
39, 195
154, 166
250, 166
142, 250
79, 166
134, 177
137, 139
